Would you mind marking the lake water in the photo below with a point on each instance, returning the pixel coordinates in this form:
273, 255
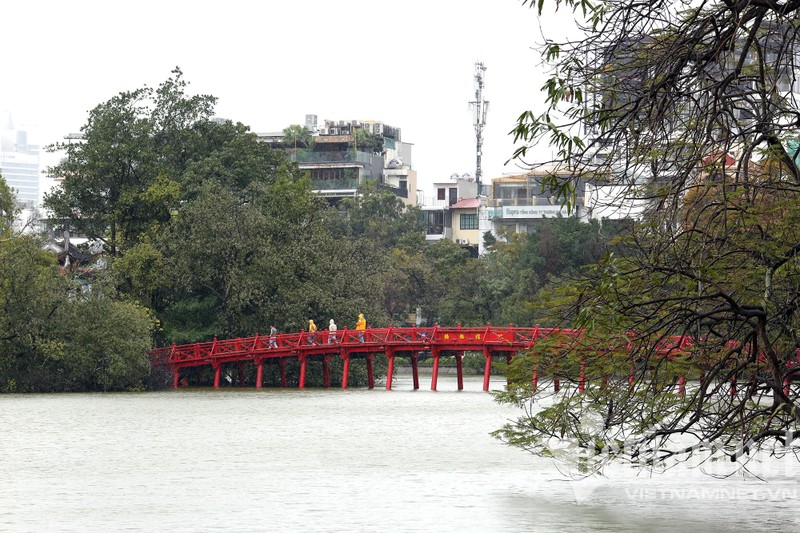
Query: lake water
334, 460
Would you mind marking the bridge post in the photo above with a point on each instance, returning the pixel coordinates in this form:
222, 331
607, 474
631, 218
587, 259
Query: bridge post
282, 365
582, 378
389, 367
326, 377
370, 374
303, 365
509, 358
435, 374
487, 368
535, 378
240, 376
345, 368
176, 376
459, 370
682, 386
259, 373
415, 369
217, 374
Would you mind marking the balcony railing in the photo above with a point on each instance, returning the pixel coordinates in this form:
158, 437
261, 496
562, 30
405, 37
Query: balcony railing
309, 157
340, 184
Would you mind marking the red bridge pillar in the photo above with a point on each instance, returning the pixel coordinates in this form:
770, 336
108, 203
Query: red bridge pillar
345, 368
459, 370
415, 369
435, 374
217, 374
259, 373
240, 377
326, 377
487, 369
370, 374
282, 365
389, 367
303, 364
176, 376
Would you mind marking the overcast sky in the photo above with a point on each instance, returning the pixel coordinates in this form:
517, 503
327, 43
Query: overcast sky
406, 63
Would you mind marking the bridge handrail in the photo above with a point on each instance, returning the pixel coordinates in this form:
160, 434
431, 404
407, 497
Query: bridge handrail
416, 338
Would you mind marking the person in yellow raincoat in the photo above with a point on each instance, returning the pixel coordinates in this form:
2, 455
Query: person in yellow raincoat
312, 331
361, 326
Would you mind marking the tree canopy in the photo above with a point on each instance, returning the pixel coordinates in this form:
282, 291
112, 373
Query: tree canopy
121, 177
689, 110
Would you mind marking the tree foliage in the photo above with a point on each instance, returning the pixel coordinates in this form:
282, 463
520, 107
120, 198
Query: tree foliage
120, 178
56, 337
296, 136
688, 111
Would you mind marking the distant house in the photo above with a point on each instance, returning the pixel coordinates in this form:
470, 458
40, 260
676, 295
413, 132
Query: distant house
345, 154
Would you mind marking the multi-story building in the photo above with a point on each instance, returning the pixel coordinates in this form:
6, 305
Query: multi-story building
341, 155
516, 203
519, 202
436, 209
19, 162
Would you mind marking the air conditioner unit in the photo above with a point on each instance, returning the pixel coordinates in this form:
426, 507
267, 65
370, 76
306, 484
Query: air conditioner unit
334, 131
323, 131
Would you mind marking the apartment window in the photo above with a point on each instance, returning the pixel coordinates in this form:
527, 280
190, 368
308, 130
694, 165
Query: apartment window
434, 222
469, 221
453, 195
440, 194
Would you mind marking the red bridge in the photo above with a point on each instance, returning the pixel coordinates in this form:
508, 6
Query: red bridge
393, 342
350, 344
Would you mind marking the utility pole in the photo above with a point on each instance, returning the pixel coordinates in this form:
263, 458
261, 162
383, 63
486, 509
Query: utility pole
479, 108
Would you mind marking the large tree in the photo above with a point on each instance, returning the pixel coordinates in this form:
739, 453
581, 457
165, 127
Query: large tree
688, 111
121, 177
55, 335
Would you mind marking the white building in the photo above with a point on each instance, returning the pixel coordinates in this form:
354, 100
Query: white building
19, 163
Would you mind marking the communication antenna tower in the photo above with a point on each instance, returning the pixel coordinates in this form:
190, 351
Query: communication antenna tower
479, 107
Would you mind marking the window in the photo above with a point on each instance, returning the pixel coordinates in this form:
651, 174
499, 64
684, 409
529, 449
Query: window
469, 221
434, 222
440, 194
453, 195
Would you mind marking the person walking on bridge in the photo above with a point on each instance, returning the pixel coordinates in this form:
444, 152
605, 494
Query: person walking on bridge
361, 326
332, 332
273, 337
312, 331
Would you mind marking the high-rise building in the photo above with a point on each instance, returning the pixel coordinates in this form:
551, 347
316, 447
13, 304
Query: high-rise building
19, 162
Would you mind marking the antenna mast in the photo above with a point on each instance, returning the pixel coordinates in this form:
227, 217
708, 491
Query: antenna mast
479, 108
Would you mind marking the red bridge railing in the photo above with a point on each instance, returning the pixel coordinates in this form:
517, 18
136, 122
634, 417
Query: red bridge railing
364, 344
